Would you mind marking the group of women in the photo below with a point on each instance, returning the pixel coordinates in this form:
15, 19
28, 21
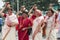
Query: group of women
42, 26
30, 22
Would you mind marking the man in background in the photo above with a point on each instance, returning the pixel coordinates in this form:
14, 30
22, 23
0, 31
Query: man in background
1, 23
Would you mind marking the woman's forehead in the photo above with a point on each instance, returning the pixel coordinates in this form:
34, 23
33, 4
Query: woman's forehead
49, 11
9, 10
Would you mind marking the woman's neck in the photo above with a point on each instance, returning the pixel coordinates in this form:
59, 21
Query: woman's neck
10, 14
37, 16
25, 17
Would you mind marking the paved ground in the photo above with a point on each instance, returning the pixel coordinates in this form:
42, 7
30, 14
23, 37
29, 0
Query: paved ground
0, 36
17, 37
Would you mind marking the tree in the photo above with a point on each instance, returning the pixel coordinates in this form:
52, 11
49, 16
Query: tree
42, 4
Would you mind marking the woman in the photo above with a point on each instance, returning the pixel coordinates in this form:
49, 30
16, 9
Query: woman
38, 24
8, 30
24, 25
50, 29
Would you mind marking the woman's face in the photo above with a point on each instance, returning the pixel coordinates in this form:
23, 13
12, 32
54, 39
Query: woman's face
9, 12
49, 13
36, 13
34, 8
24, 15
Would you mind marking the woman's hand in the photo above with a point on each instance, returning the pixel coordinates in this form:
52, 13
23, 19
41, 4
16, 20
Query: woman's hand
48, 38
24, 29
7, 5
8, 24
33, 37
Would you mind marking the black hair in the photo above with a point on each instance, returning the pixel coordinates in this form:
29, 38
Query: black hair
10, 9
20, 13
51, 10
59, 9
25, 12
47, 12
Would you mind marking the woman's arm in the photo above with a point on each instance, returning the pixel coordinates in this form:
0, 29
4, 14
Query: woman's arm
14, 24
30, 11
43, 25
1, 12
6, 6
17, 13
29, 25
55, 10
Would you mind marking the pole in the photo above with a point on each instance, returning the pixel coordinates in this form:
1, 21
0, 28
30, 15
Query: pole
17, 5
59, 3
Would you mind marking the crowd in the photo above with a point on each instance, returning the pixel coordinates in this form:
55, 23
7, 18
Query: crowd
30, 22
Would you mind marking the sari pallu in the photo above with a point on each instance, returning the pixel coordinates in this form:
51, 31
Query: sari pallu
38, 36
50, 27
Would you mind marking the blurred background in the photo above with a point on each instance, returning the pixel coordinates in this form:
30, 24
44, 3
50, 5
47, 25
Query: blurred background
43, 5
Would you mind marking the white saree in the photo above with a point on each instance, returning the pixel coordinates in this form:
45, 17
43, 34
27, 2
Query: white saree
52, 35
35, 24
11, 35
